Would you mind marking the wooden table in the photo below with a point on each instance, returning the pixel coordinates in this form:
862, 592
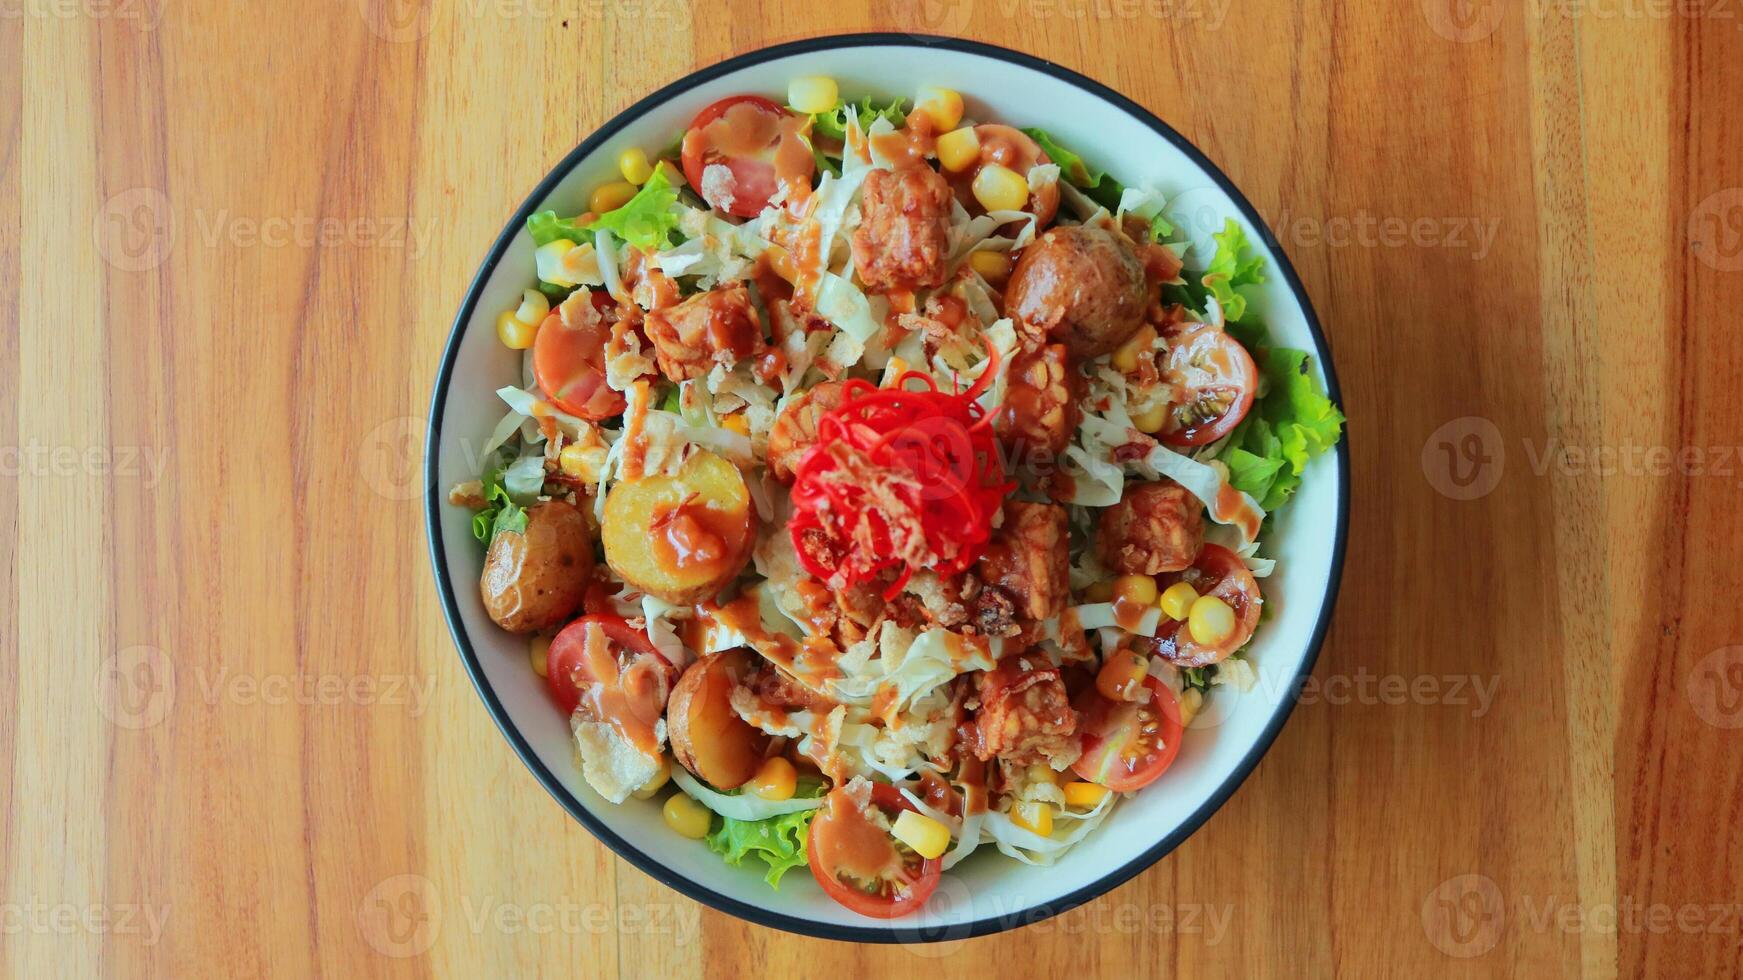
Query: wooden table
235, 737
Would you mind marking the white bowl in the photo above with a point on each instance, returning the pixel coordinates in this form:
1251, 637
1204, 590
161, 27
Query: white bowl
989, 892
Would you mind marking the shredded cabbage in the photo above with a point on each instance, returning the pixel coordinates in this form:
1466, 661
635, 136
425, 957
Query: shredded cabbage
739, 806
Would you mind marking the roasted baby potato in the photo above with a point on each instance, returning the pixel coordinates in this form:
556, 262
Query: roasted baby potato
681, 538
534, 579
708, 737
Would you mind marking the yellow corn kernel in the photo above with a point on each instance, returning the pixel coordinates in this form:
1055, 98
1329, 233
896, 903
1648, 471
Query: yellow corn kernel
994, 267
1212, 621
538, 651
1140, 590
893, 371
534, 307
926, 836
1126, 357
1191, 701
736, 422
999, 188
1033, 816
944, 105
674, 176
813, 93
582, 462
1151, 420
1043, 774
1102, 591
657, 783
958, 149
514, 334
775, 781
610, 197
634, 166
1177, 600
687, 817
548, 258
1084, 796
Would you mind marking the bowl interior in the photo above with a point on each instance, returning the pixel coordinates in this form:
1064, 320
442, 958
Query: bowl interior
988, 891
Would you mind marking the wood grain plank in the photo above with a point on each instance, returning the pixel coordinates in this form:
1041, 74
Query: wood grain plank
1575, 173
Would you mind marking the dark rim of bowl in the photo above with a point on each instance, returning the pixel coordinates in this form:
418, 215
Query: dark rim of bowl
435, 500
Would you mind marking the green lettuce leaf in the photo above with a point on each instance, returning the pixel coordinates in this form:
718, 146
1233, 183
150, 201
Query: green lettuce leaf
1098, 186
645, 220
779, 841
500, 512
1230, 268
833, 123
1290, 425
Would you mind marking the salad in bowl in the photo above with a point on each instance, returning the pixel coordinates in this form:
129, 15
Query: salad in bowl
885, 485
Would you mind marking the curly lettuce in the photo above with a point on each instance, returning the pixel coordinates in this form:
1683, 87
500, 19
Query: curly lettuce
500, 512
833, 123
1232, 267
646, 220
1292, 423
778, 840
1095, 184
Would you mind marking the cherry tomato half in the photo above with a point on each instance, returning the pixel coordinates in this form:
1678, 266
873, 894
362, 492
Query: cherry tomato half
1126, 745
569, 363
756, 140
860, 865
633, 680
1218, 572
1216, 380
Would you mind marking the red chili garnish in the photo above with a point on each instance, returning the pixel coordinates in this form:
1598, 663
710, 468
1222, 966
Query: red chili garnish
899, 478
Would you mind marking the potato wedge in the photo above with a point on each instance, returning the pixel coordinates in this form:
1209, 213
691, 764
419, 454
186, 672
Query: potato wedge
681, 538
535, 580
708, 737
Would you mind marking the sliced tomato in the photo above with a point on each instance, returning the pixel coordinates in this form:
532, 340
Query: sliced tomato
1214, 379
1127, 744
569, 364
757, 141
860, 865
1218, 572
614, 666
